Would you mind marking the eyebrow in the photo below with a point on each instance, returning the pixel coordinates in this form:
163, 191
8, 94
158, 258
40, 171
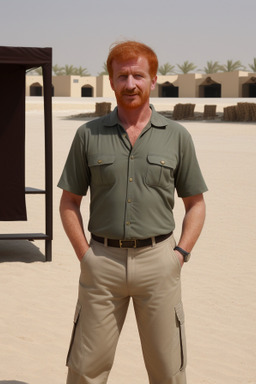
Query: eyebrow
126, 72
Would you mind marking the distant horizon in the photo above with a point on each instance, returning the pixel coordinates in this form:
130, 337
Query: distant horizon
81, 33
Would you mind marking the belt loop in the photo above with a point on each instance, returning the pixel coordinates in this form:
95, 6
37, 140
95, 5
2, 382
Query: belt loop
105, 241
153, 241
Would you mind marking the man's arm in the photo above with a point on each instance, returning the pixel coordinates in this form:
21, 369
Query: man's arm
192, 224
73, 223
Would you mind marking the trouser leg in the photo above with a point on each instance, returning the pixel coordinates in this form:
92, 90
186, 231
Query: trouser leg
159, 313
100, 314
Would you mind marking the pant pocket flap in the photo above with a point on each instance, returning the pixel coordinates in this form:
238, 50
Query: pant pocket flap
180, 313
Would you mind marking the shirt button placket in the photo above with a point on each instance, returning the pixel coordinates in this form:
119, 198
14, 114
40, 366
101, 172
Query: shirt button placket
130, 189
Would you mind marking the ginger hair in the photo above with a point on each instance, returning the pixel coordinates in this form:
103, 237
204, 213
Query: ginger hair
131, 50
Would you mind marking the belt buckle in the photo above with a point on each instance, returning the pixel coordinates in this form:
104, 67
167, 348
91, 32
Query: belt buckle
133, 245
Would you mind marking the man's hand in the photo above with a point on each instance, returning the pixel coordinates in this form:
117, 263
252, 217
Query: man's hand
180, 258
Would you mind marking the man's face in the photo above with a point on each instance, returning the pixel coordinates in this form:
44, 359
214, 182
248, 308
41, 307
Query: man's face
131, 82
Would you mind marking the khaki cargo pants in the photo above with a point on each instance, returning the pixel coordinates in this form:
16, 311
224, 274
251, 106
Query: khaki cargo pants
109, 278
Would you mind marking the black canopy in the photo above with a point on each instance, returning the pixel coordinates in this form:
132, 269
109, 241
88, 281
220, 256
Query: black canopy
14, 62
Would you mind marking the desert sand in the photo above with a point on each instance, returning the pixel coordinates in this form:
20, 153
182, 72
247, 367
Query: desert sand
37, 299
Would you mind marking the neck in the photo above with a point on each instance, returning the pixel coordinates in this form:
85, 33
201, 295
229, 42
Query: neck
134, 117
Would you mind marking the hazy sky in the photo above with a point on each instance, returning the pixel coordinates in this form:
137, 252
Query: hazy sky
81, 31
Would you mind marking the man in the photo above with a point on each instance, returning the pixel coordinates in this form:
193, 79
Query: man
132, 160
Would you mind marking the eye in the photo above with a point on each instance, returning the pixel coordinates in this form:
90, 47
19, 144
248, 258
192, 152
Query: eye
138, 76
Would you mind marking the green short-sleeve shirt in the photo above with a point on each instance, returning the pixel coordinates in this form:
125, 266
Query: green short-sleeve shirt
132, 187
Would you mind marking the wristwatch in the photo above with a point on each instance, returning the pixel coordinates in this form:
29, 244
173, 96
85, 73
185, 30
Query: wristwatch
186, 255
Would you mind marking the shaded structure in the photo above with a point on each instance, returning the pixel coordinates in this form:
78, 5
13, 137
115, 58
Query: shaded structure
87, 91
249, 88
167, 89
209, 88
36, 89
14, 62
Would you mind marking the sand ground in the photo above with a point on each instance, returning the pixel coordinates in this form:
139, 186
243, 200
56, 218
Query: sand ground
37, 299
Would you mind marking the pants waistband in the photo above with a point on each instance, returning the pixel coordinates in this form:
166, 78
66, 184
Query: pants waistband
136, 243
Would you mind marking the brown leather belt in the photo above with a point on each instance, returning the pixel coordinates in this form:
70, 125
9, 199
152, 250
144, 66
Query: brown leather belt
137, 243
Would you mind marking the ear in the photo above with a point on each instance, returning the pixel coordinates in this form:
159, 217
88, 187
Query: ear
111, 82
153, 83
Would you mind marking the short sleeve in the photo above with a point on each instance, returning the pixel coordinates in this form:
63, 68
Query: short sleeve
189, 180
75, 177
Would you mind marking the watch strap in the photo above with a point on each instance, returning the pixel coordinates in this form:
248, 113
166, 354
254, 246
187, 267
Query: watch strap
185, 254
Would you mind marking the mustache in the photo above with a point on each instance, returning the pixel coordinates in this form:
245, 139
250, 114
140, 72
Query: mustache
130, 92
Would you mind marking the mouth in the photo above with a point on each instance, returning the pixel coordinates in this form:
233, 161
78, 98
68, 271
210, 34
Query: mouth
127, 94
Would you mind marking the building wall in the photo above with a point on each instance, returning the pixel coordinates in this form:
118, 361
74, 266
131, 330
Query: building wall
32, 80
61, 85
185, 82
188, 84
231, 82
172, 79
77, 82
244, 80
103, 87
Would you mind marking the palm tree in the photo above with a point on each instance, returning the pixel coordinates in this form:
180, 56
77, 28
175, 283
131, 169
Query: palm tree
82, 71
186, 67
166, 69
105, 70
212, 67
232, 66
253, 66
58, 71
69, 70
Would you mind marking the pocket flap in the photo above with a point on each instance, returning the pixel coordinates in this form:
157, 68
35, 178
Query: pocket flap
180, 313
161, 160
94, 160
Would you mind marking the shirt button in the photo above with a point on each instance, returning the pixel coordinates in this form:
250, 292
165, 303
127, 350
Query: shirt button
99, 161
132, 157
129, 201
128, 223
162, 162
130, 179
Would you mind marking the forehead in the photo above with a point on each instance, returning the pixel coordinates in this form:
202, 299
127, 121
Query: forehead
134, 64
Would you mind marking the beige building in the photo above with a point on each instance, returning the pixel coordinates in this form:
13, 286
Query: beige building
235, 84
222, 84
67, 86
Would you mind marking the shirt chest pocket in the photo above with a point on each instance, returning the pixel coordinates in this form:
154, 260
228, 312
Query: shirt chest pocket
102, 169
160, 171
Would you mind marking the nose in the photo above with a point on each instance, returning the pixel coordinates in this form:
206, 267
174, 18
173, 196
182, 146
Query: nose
130, 83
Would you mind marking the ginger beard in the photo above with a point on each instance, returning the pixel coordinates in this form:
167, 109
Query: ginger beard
132, 99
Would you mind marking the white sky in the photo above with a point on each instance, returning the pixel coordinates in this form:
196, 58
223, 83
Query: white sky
81, 31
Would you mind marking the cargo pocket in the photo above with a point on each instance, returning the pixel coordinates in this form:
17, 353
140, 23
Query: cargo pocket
76, 318
181, 324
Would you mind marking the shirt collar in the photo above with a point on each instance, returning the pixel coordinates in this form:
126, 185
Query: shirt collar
157, 120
